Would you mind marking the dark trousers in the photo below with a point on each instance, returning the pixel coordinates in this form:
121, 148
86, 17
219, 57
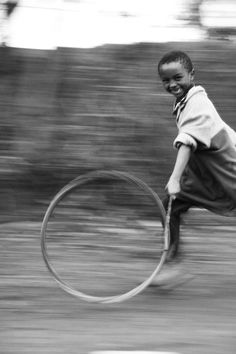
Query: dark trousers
178, 207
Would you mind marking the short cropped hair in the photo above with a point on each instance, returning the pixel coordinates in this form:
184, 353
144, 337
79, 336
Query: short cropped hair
176, 56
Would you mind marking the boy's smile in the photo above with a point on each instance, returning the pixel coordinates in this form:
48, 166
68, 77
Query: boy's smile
176, 79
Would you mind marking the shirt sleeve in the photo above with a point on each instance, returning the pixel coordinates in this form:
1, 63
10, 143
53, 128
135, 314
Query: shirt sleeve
194, 131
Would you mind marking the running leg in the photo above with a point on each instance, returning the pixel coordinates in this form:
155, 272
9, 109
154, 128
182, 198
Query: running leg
178, 207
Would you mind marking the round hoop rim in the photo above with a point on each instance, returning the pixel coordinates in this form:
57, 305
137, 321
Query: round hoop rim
79, 181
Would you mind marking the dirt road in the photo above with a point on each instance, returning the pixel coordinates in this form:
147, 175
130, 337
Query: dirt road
196, 317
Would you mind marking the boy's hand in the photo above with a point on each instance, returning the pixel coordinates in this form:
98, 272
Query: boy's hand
173, 187
183, 156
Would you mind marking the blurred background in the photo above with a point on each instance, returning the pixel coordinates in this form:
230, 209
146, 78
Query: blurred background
80, 91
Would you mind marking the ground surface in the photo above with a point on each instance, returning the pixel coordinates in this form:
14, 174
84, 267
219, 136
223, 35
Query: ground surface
196, 317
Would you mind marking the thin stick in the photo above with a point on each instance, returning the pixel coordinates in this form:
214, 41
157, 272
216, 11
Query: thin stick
167, 224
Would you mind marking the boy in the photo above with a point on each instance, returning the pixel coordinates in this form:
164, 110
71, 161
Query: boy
204, 173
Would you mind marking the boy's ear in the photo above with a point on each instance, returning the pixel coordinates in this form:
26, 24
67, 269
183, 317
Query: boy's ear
192, 73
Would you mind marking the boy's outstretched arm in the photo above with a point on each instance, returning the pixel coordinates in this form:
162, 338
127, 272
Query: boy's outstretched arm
173, 185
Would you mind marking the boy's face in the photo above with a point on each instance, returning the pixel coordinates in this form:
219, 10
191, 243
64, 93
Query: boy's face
176, 79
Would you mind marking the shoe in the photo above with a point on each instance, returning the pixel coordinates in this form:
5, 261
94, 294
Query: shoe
171, 275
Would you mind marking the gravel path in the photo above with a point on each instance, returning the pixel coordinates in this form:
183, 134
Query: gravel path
196, 317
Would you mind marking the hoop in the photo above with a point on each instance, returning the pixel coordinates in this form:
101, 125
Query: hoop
117, 175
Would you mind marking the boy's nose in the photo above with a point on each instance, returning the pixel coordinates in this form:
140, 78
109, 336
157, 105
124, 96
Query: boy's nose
172, 83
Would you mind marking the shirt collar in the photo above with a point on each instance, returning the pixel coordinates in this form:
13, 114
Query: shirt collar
180, 104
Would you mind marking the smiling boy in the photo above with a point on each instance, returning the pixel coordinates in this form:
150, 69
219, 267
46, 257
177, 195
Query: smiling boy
204, 173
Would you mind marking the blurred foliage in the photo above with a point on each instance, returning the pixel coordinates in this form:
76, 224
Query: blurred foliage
70, 111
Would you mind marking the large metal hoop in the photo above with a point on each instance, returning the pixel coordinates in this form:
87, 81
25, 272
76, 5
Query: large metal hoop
84, 179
